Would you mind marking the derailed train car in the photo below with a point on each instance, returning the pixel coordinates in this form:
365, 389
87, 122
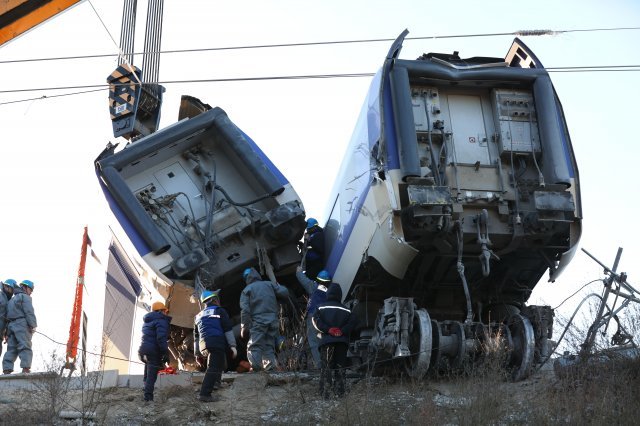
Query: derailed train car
458, 191
200, 202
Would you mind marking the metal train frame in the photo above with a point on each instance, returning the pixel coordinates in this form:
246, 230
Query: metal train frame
458, 190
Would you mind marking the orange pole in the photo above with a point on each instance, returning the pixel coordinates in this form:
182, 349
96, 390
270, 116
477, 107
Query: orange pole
76, 314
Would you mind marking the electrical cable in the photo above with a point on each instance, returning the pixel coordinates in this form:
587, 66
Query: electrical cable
204, 80
522, 33
89, 352
99, 87
577, 291
51, 96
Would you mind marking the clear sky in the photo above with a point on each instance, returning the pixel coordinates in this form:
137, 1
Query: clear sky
48, 189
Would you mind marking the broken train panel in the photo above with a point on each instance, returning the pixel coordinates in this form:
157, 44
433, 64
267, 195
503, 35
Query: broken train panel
458, 191
200, 202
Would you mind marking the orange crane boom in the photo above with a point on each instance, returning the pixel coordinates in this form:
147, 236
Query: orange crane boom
76, 314
19, 16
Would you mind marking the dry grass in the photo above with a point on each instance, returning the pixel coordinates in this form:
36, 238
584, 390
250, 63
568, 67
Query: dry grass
483, 394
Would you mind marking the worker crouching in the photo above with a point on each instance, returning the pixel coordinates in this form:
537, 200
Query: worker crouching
212, 334
334, 322
154, 349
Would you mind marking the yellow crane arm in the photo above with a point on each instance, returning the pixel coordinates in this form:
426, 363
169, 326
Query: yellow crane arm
19, 16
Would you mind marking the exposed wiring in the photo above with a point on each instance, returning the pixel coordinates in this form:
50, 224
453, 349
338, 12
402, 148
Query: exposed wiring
577, 291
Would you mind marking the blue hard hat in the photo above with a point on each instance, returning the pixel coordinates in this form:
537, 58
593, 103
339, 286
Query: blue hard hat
10, 282
323, 276
311, 222
246, 273
27, 283
209, 295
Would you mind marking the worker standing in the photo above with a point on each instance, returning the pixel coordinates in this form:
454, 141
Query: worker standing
314, 248
5, 295
317, 292
21, 325
212, 334
259, 317
335, 322
154, 348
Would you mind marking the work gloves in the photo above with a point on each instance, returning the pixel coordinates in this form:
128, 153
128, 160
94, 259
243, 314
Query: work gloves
335, 331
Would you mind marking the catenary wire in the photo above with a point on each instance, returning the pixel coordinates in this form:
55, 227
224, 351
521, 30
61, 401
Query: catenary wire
51, 96
98, 87
203, 80
521, 33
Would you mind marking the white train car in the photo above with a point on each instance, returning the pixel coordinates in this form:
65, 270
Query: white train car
458, 191
200, 202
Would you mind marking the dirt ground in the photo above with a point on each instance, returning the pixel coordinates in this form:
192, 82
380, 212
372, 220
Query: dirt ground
286, 398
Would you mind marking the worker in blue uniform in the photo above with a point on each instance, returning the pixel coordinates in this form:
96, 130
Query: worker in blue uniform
313, 247
21, 325
317, 292
154, 348
334, 322
6, 292
259, 318
212, 334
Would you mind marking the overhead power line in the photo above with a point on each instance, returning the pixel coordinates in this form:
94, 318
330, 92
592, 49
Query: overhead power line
610, 68
204, 80
51, 96
99, 87
522, 33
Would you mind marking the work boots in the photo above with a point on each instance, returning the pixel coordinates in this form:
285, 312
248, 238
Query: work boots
208, 398
7, 371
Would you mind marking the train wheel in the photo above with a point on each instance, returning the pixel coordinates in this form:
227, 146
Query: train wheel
420, 343
522, 342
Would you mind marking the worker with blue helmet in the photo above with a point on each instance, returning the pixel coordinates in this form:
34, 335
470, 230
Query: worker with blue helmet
22, 323
6, 292
334, 322
212, 335
317, 292
313, 248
